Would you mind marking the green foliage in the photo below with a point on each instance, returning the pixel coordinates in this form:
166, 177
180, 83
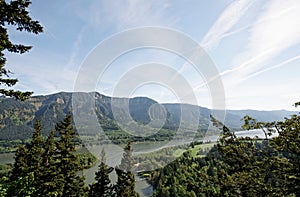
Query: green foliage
86, 159
68, 182
102, 187
14, 13
125, 185
157, 159
35, 148
5, 169
288, 145
126, 181
25, 185
251, 123
20, 167
21, 186
48, 168
238, 166
26, 170
3, 185
48, 178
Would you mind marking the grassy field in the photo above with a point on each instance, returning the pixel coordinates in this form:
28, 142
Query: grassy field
200, 150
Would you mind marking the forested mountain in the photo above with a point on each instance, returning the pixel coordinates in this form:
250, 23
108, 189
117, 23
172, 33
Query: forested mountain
17, 117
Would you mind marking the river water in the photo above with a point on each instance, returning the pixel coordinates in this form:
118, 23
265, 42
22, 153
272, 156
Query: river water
6, 158
114, 155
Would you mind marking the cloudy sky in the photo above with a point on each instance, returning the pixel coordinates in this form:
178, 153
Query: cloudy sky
255, 46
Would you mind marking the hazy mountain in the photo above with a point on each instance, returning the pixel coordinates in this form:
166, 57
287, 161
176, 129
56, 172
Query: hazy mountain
17, 118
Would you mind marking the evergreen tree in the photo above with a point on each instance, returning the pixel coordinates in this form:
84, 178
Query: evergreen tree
26, 171
68, 182
19, 172
35, 151
14, 13
239, 166
48, 182
21, 162
288, 145
102, 187
126, 181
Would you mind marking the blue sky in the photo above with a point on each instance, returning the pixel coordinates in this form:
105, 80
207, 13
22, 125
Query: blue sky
254, 44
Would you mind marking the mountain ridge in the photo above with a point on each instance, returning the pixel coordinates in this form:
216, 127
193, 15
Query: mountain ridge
17, 117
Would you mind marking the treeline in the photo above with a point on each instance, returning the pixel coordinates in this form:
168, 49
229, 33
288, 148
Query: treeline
238, 166
235, 166
49, 167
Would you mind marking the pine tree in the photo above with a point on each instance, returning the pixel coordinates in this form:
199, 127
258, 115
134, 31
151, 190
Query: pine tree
34, 159
126, 181
19, 172
47, 186
288, 145
14, 13
35, 150
67, 179
21, 162
26, 172
102, 187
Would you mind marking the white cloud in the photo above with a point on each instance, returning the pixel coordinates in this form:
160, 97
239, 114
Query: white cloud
273, 67
271, 37
230, 16
272, 95
260, 21
42, 76
276, 30
76, 50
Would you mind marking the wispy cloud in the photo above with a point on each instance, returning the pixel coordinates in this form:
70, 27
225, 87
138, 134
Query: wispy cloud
127, 13
277, 29
273, 67
76, 49
131, 13
230, 16
271, 34
109, 17
260, 21
248, 63
43, 77
222, 28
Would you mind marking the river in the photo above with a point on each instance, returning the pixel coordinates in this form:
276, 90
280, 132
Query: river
114, 155
6, 158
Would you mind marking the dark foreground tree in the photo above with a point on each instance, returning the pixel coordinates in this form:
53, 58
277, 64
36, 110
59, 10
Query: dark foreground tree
20, 180
35, 152
14, 13
25, 175
47, 168
288, 146
102, 187
286, 163
68, 182
126, 181
47, 184
240, 166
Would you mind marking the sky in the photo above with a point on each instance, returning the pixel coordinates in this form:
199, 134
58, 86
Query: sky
254, 45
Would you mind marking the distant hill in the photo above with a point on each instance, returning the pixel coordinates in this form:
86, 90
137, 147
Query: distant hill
17, 118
